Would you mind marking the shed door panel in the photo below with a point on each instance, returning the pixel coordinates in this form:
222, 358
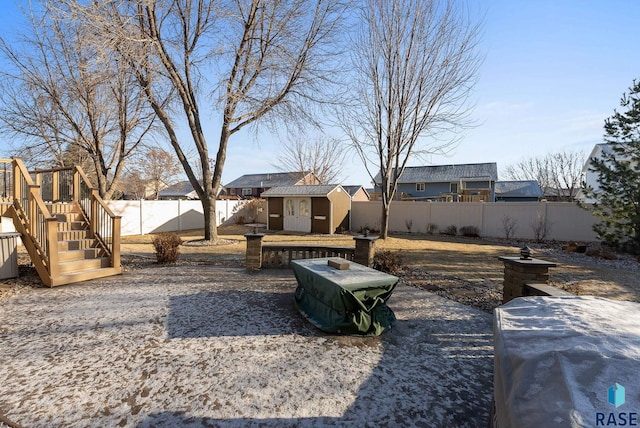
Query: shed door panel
297, 214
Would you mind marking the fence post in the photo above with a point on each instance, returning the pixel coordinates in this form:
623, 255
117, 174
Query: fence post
254, 250
365, 250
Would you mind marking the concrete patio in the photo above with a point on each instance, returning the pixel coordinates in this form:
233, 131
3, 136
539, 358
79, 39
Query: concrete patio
217, 346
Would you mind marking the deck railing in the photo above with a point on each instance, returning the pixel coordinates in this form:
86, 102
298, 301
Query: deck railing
277, 255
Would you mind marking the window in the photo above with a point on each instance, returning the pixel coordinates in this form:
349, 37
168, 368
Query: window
290, 209
247, 192
304, 208
420, 187
454, 187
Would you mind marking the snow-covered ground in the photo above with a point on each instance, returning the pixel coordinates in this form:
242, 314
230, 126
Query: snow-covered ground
217, 346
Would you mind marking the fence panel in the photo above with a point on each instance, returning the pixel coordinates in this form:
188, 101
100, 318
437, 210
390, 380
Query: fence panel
563, 221
143, 217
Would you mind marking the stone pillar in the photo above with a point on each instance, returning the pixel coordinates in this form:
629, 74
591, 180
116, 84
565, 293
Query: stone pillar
254, 250
518, 272
365, 249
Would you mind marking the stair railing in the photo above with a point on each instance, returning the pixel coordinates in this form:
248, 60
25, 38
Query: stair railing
36, 220
103, 223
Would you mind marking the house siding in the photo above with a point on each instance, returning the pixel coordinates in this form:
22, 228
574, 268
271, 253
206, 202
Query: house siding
341, 202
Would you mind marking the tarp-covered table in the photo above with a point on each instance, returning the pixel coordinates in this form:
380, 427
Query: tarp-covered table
350, 301
566, 362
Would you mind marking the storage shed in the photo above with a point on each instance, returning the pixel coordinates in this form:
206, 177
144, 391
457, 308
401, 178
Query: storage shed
322, 208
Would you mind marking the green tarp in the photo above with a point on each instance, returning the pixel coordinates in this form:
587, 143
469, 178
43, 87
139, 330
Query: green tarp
351, 301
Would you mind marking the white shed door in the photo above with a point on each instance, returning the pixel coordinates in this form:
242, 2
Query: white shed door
297, 214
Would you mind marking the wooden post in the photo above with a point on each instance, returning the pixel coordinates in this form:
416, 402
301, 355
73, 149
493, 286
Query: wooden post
76, 186
51, 225
93, 215
518, 272
365, 250
55, 186
253, 258
115, 242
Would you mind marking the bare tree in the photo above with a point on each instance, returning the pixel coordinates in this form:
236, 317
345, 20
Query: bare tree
265, 59
158, 167
414, 64
60, 96
324, 156
560, 173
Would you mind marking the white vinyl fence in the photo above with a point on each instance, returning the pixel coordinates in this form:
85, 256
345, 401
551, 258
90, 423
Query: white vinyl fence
142, 217
564, 221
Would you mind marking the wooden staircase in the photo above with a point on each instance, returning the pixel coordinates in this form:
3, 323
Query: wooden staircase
73, 236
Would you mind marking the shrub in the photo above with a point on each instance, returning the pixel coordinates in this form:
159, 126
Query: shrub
387, 261
409, 223
470, 231
432, 228
450, 230
508, 226
166, 246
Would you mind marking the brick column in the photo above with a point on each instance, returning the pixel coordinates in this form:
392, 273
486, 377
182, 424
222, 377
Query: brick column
365, 249
518, 272
253, 258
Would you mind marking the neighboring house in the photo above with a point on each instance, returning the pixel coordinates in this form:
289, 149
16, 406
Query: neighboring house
553, 194
322, 208
518, 191
591, 179
447, 183
181, 190
357, 193
252, 185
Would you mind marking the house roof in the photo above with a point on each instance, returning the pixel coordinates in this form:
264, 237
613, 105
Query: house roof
352, 190
268, 179
518, 189
302, 190
448, 173
182, 188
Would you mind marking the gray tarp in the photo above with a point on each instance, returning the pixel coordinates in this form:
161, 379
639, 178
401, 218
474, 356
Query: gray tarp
557, 357
351, 301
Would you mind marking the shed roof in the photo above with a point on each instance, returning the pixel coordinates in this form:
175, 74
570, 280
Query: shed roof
448, 173
352, 190
268, 179
302, 190
515, 189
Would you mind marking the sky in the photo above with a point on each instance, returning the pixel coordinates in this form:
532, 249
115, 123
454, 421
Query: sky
553, 71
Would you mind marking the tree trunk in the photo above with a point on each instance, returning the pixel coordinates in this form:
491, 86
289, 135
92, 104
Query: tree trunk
384, 224
210, 226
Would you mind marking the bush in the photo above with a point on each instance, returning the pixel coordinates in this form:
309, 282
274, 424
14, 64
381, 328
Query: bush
450, 230
470, 231
387, 261
432, 228
166, 246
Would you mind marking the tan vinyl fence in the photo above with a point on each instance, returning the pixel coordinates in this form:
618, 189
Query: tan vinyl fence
562, 221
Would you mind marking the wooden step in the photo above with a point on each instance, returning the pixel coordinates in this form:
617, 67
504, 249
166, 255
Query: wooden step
77, 244
73, 235
87, 253
73, 277
62, 208
72, 225
67, 217
79, 266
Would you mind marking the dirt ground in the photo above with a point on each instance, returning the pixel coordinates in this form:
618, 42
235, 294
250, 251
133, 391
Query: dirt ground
463, 269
